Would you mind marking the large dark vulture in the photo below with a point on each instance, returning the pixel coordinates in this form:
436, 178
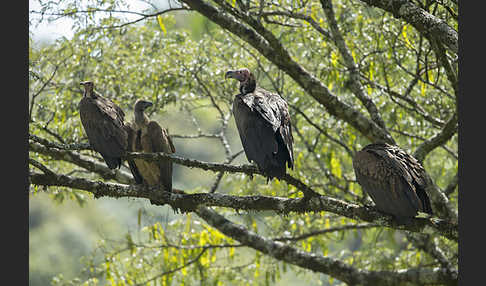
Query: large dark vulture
103, 123
150, 137
263, 122
394, 180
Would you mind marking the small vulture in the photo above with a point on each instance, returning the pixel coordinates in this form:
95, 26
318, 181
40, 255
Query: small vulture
263, 122
150, 137
103, 122
394, 180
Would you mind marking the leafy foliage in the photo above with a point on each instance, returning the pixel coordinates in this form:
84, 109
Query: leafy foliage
177, 60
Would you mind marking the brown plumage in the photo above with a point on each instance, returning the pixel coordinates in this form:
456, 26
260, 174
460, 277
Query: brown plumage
103, 122
150, 137
394, 180
263, 123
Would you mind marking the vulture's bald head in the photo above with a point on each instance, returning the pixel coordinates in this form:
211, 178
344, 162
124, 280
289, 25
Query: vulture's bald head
141, 105
242, 75
245, 77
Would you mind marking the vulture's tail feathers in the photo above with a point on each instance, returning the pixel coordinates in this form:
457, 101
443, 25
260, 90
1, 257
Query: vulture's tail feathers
112, 162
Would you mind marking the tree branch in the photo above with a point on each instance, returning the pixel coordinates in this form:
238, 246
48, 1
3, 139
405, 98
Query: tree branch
449, 129
354, 76
88, 164
143, 16
191, 202
266, 43
327, 265
452, 185
426, 243
425, 23
146, 282
327, 230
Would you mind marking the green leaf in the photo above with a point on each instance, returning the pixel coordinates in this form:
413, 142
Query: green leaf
161, 24
335, 166
405, 36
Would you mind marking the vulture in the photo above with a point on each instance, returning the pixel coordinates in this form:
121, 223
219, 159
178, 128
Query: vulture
103, 122
263, 122
394, 180
150, 137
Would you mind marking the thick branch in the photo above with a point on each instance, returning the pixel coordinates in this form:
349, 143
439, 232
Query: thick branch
311, 202
327, 265
72, 146
62, 152
217, 167
190, 202
425, 23
86, 163
266, 44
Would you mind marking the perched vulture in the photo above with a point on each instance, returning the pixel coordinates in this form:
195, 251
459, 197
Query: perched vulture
394, 180
103, 122
150, 137
263, 122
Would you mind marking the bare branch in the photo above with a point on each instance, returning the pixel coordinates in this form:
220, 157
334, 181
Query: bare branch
79, 160
41, 89
175, 269
354, 75
246, 169
323, 132
425, 23
449, 129
60, 146
322, 264
41, 167
299, 16
426, 243
452, 185
327, 230
143, 16
191, 202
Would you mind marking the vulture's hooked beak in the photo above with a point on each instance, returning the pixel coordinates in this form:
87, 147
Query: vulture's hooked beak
229, 74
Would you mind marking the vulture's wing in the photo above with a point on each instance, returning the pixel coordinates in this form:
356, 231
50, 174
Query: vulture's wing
266, 108
256, 133
387, 181
281, 108
273, 108
111, 108
410, 169
161, 142
258, 126
104, 129
130, 148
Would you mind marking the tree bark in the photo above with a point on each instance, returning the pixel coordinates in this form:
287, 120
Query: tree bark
425, 23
